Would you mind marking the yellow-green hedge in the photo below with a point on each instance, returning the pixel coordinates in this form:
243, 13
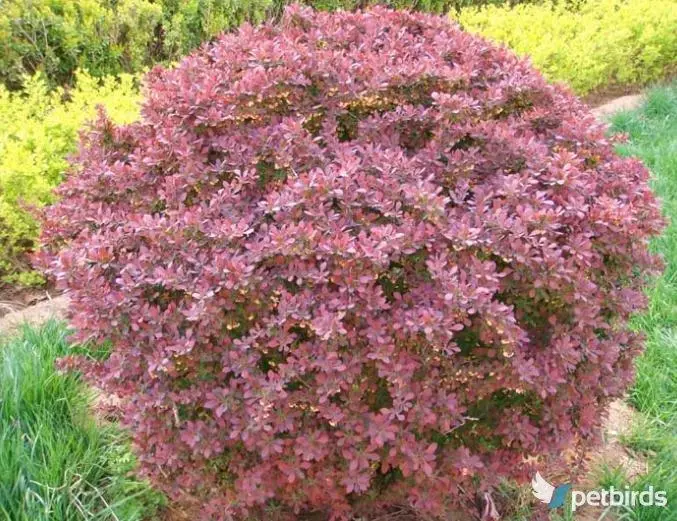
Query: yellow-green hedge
57, 37
39, 129
587, 44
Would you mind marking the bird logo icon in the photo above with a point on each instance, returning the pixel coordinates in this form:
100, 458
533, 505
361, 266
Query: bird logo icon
547, 493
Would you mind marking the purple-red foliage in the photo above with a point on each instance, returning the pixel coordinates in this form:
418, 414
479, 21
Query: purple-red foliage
351, 261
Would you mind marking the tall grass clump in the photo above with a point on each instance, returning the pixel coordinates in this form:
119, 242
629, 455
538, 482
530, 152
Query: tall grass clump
56, 462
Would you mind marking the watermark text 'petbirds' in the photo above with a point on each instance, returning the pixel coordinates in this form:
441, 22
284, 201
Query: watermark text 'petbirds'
555, 496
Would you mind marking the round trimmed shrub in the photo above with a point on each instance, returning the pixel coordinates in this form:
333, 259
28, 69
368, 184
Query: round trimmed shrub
353, 261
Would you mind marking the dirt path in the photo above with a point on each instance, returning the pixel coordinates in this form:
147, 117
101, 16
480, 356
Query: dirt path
622, 103
35, 315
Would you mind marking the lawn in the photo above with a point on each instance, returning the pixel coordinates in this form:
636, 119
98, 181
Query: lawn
652, 131
58, 464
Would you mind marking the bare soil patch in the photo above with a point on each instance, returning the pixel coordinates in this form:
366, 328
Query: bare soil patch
623, 103
16, 298
611, 93
35, 314
613, 455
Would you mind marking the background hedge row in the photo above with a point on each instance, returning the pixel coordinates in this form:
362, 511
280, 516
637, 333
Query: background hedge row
585, 43
113, 36
588, 44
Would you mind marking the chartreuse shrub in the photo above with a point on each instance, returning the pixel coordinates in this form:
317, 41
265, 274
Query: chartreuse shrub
353, 261
56, 463
432, 6
39, 129
57, 37
587, 44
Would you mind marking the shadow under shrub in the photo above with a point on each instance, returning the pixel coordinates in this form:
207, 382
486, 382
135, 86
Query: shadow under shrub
353, 261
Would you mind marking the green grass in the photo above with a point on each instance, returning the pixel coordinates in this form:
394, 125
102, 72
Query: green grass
56, 462
653, 138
